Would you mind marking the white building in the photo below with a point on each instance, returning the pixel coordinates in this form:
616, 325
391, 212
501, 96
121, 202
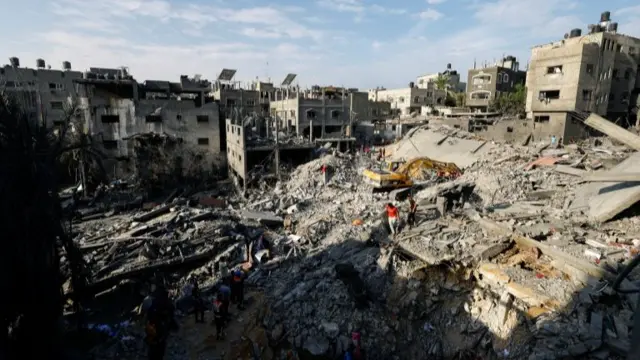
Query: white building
405, 101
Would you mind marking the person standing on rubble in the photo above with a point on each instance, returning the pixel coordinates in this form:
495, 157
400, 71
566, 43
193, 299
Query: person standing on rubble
393, 215
411, 216
237, 288
198, 302
160, 322
219, 318
324, 169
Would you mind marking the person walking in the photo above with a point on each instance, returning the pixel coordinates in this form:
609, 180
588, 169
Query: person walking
411, 216
393, 215
237, 288
160, 322
219, 316
198, 302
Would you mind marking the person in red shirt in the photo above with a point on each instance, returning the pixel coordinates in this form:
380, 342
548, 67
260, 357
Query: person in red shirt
393, 214
324, 169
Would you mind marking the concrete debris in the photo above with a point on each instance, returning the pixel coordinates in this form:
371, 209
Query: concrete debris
497, 264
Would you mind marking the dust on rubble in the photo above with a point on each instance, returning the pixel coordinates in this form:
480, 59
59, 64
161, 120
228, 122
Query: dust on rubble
522, 269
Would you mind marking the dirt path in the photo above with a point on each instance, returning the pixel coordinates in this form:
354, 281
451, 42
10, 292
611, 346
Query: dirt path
200, 339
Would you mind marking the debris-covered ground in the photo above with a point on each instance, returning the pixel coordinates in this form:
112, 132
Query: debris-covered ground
520, 269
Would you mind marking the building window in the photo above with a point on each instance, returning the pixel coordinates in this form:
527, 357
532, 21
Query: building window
203, 141
542, 119
179, 117
589, 68
110, 144
153, 118
401, 99
586, 95
549, 95
627, 74
251, 102
202, 118
481, 79
499, 79
110, 119
481, 95
335, 114
311, 114
505, 78
509, 129
57, 105
429, 94
55, 86
554, 69
619, 48
416, 99
231, 102
227, 127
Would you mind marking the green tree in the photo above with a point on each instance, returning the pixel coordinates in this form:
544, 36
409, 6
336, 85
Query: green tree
461, 99
441, 82
511, 103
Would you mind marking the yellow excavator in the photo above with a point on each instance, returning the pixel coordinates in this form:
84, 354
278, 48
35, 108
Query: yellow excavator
402, 174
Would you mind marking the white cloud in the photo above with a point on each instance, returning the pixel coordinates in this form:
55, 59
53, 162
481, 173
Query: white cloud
355, 6
430, 14
376, 45
435, 2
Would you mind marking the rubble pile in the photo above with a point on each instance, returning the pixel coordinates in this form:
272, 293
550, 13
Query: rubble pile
515, 259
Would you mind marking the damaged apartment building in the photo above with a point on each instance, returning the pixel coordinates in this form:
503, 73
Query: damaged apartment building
43, 91
492, 81
411, 100
324, 114
596, 72
117, 109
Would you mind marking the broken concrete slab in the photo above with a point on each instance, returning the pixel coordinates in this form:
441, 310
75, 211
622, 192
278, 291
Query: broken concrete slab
603, 201
609, 176
263, 217
569, 170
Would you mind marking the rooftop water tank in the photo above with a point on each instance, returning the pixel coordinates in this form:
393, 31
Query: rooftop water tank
575, 33
412, 84
14, 61
605, 16
613, 27
449, 66
40, 64
66, 66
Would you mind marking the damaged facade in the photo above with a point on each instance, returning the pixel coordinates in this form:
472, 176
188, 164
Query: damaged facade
409, 100
116, 108
596, 72
43, 91
490, 82
452, 76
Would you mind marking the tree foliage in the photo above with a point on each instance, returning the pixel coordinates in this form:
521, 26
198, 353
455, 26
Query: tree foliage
34, 237
511, 103
441, 82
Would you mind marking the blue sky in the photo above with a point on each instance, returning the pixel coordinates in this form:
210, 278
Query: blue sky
356, 43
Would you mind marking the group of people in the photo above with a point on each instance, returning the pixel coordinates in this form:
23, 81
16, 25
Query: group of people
393, 215
160, 311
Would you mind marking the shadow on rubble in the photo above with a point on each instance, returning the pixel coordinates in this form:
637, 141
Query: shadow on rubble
405, 309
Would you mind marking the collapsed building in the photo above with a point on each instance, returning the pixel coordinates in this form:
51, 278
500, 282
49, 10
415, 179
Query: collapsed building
116, 109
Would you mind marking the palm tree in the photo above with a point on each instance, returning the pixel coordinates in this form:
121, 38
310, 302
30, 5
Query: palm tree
32, 227
441, 82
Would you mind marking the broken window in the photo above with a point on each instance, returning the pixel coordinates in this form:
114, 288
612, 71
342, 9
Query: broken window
110, 119
481, 95
335, 114
311, 114
251, 102
586, 95
542, 119
203, 141
481, 79
57, 105
202, 118
549, 95
153, 118
554, 69
619, 48
110, 144
416, 99
589, 69
179, 117
231, 102
509, 129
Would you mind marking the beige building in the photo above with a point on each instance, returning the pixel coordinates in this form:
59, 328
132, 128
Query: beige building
595, 72
330, 112
427, 81
405, 101
486, 84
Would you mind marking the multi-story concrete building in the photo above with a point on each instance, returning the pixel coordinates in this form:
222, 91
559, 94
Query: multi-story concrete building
116, 108
42, 90
596, 72
487, 84
427, 81
409, 100
329, 111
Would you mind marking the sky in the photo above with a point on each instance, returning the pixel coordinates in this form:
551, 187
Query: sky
353, 43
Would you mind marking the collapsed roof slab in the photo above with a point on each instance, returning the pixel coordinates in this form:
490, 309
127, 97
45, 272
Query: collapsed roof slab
440, 147
602, 201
